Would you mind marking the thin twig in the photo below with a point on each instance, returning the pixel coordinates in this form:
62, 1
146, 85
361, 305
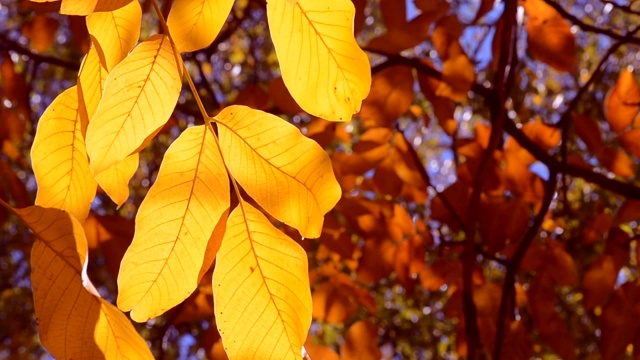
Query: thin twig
502, 85
628, 190
567, 115
508, 288
625, 8
591, 28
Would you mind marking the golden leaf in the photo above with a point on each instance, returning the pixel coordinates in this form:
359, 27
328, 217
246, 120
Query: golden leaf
139, 97
289, 175
194, 24
73, 323
115, 180
261, 289
173, 226
59, 158
116, 31
322, 65
91, 79
86, 7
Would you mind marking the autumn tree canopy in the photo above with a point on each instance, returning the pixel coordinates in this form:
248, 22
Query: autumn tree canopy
324, 179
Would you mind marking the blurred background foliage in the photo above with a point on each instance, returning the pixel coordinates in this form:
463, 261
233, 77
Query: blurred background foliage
491, 197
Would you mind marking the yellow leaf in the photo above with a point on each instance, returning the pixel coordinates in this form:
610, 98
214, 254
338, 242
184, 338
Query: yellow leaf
139, 97
289, 175
173, 226
322, 65
116, 31
86, 7
91, 79
111, 5
261, 289
115, 180
195, 23
59, 158
77, 7
73, 323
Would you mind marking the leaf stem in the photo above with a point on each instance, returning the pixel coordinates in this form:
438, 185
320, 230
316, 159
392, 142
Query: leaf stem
196, 96
179, 60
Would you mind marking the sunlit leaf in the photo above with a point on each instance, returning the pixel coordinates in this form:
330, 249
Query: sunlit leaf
86, 7
289, 175
116, 31
59, 158
322, 65
194, 24
115, 180
173, 226
139, 97
549, 36
72, 322
622, 104
261, 289
91, 79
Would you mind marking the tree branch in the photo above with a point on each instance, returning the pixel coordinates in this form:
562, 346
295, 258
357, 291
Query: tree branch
11, 45
508, 287
586, 27
502, 86
618, 187
625, 8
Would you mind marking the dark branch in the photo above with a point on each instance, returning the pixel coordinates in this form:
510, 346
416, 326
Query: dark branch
11, 45
502, 86
625, 8
508, 287
586, 27
618, 187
